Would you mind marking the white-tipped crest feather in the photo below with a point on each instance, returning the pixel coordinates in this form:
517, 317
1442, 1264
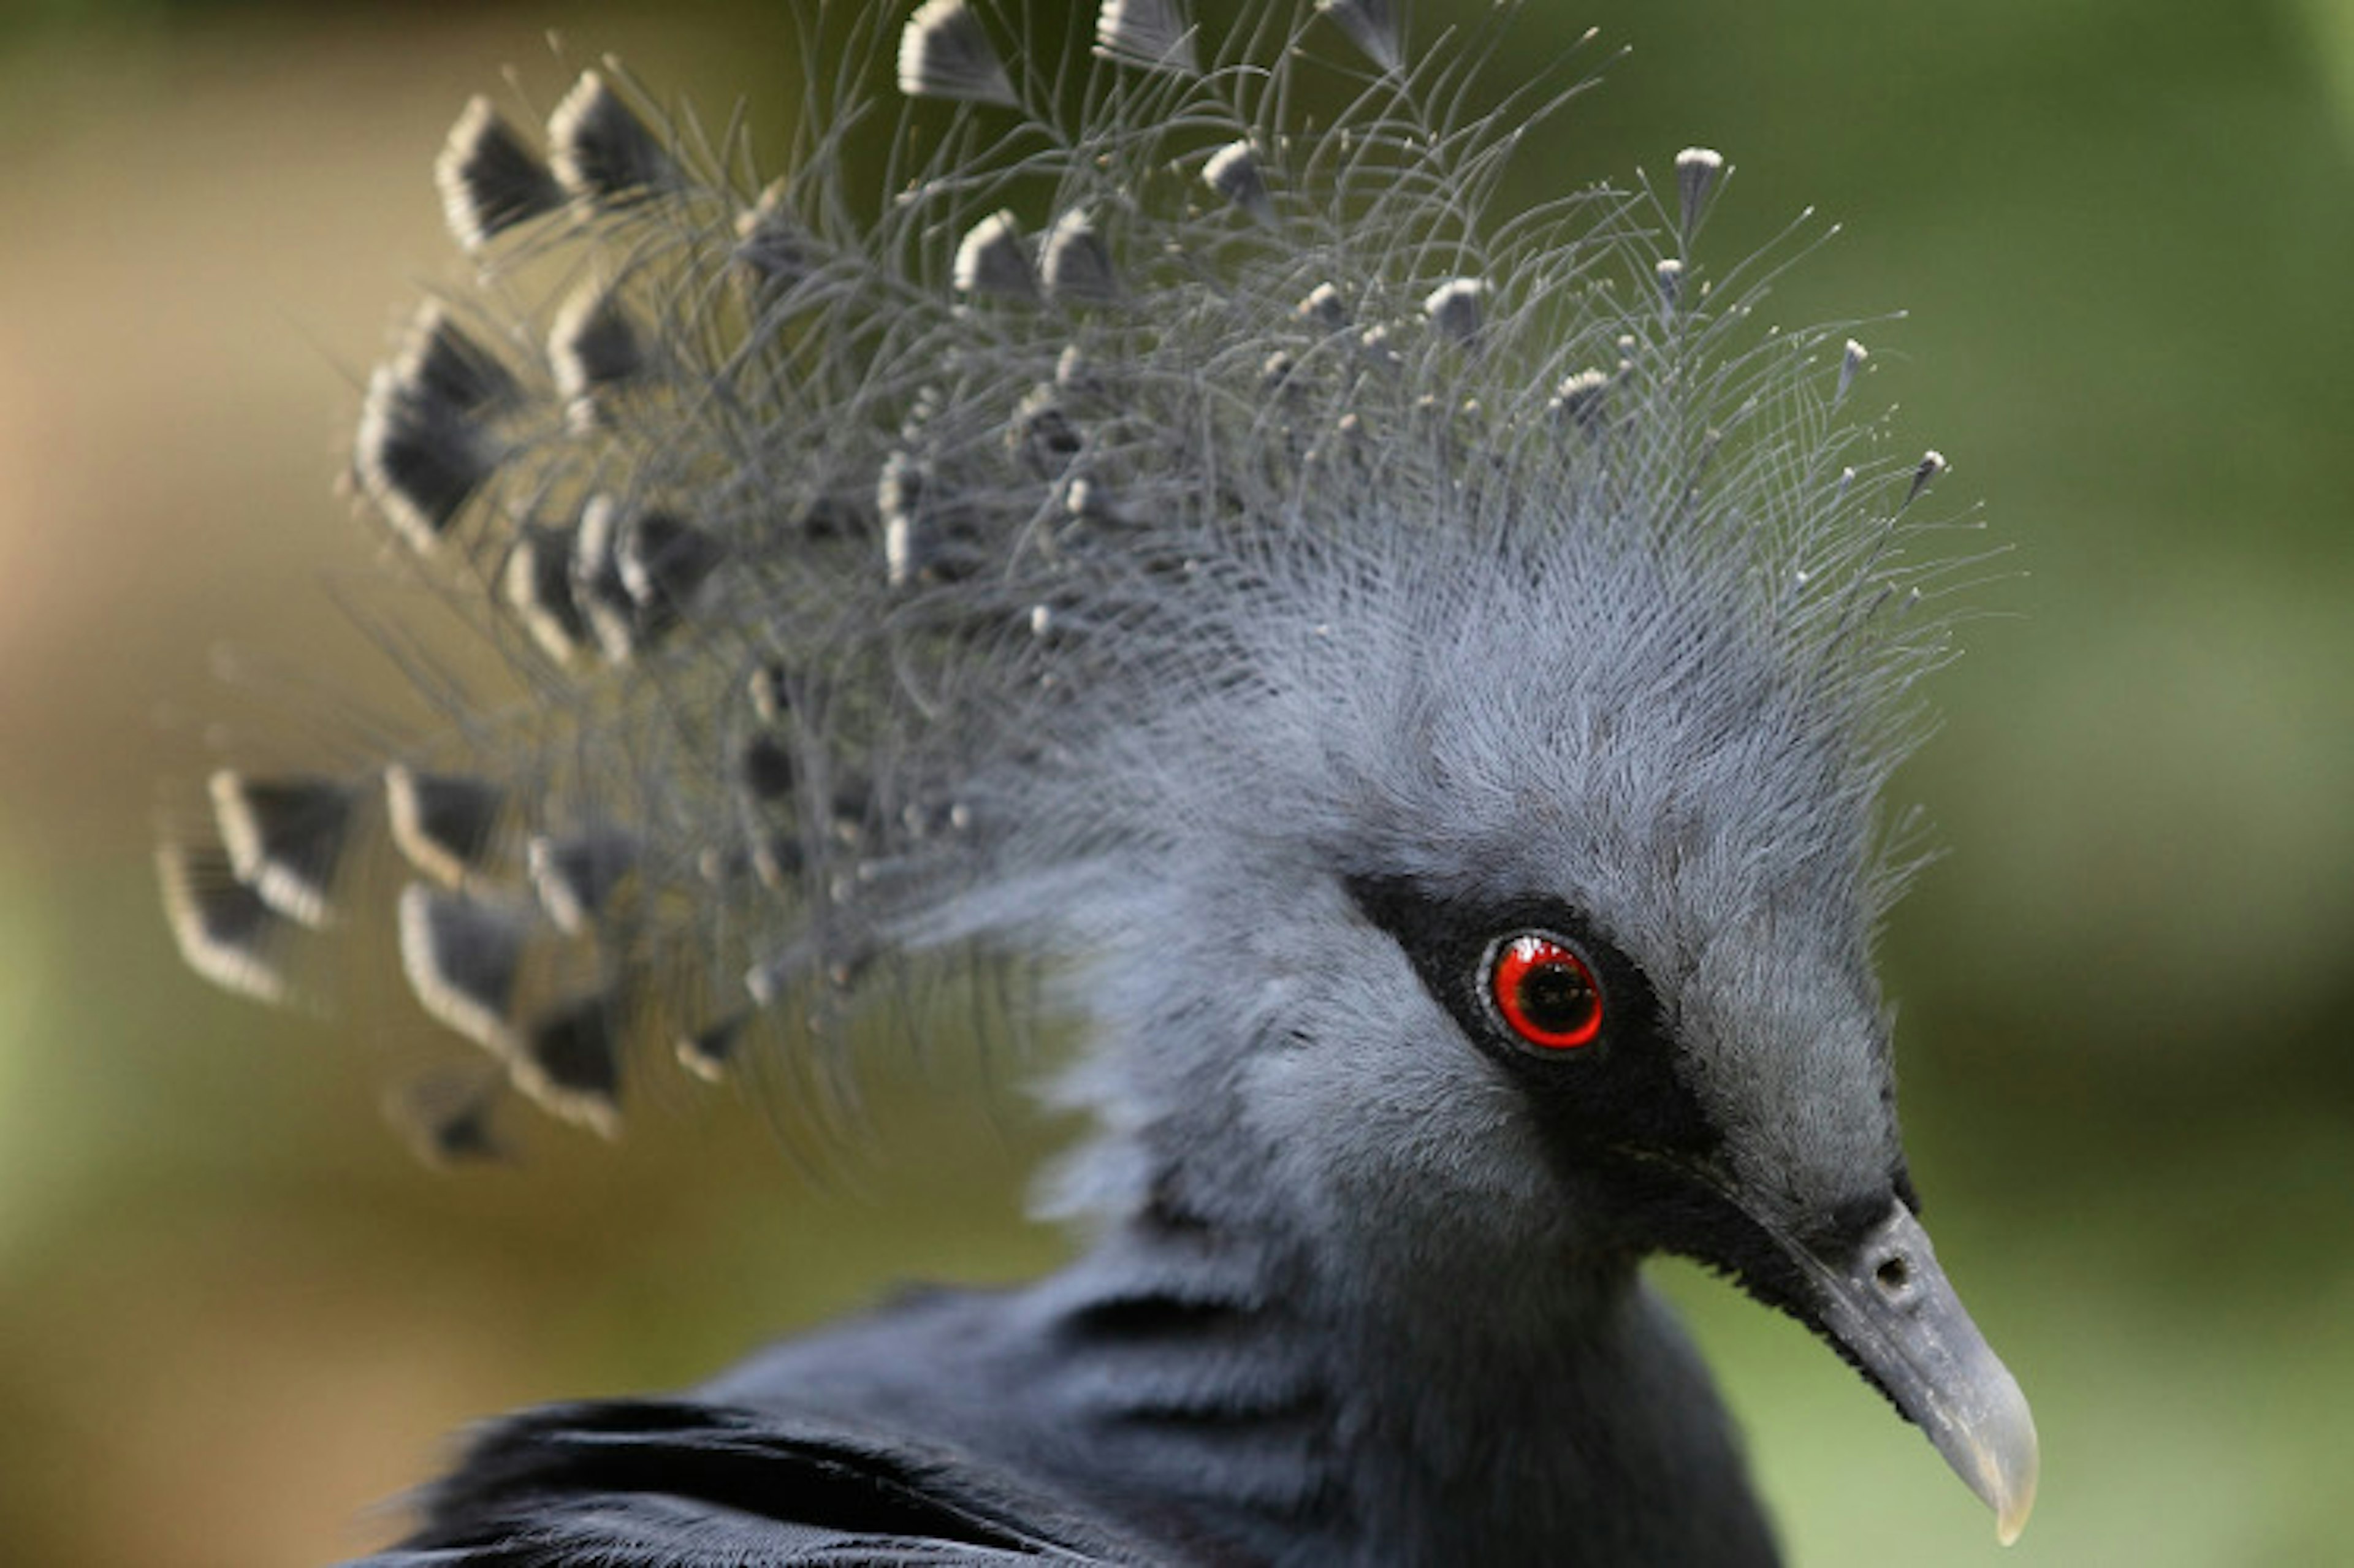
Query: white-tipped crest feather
873, 578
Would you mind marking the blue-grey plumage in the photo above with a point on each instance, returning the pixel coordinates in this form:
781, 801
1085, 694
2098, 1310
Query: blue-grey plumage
1415, 678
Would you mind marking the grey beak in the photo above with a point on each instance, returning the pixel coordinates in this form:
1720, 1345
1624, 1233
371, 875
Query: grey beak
1889, 1305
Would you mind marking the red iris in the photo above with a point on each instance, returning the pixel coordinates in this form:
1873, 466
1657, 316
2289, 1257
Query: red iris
1546, 993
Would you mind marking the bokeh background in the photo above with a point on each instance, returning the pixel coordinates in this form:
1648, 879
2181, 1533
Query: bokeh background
235, 1317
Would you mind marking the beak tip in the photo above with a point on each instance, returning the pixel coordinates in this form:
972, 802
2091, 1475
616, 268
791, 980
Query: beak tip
2008, 1471
2010, 1522
2010, 1516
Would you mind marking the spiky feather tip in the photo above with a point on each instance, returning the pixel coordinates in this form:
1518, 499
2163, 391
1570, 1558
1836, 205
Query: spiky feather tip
877, 567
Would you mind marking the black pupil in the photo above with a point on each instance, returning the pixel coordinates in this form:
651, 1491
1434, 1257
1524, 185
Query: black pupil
1557, 997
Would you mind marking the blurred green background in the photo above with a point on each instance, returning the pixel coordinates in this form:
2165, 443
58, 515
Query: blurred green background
234, 1314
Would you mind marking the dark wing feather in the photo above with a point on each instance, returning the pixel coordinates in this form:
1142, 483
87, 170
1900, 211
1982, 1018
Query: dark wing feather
677, 1485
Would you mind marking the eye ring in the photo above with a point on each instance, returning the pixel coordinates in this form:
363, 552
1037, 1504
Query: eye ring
1545, 991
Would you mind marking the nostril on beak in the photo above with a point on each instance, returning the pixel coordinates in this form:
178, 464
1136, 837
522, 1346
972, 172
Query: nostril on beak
1893, 1275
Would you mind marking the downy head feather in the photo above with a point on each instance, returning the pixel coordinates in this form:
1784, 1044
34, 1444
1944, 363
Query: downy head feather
1145, 516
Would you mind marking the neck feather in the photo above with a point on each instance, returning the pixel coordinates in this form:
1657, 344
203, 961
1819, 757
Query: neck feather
1277, 1403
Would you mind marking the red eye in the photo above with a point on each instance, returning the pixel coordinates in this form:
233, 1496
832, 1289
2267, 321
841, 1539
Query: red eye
1546, 993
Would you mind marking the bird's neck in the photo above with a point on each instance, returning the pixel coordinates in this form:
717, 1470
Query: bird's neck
1257, 1383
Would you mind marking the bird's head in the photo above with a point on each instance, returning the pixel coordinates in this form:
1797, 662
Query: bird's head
1422, 669
1512, 920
